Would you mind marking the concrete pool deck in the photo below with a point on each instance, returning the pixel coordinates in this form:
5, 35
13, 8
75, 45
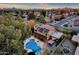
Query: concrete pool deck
42, 44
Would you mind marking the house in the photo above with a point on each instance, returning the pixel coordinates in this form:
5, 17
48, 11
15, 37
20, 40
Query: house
76, 22
44, 29
76, 38
57, 34
46, 32
77, 51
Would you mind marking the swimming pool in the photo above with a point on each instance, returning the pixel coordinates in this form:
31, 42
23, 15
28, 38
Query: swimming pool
31, 44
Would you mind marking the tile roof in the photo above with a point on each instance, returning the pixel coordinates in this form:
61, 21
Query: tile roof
47, 27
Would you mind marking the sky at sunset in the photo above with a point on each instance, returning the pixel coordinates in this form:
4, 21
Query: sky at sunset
39, 5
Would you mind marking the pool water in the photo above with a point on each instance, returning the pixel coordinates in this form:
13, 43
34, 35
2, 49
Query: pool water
33, 46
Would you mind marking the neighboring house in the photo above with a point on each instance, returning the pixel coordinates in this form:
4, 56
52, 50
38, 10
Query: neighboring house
57, 34
25, 17
75, 38
76, 22
77, 51
47, 19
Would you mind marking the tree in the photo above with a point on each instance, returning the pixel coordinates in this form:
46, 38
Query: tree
42, 19
26, 31
31, 16
12, 34
32, 23
47, 51
67, 31
9, 32
2, 28
17, 34
59, 51
2, 38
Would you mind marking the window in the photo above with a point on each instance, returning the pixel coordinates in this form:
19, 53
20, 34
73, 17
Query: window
40, 29
41, 37
45, 30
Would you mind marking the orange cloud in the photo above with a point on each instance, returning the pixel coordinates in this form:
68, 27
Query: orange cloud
2, 5
44, 5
